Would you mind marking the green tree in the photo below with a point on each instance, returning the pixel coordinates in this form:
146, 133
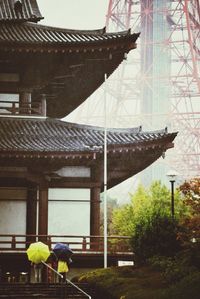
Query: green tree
144, 203
158, 236
111, 205
148, 220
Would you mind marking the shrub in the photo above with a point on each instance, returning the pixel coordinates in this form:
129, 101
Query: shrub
156, 236
187, 288
173, 269
160, 263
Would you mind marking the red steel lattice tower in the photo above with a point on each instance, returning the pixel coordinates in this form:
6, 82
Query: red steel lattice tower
165, 76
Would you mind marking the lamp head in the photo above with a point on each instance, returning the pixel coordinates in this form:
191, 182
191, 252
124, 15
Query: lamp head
172, 174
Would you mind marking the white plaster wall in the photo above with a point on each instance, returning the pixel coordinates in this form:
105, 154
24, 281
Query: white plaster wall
69, 216
12, 219
69, 194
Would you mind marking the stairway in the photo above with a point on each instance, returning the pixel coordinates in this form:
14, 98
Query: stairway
46, 291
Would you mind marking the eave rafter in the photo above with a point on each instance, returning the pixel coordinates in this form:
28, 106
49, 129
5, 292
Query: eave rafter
53, 62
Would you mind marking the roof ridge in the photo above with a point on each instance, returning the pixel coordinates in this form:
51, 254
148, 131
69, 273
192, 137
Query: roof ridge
137, 130
19, 11
43, 26
100, 31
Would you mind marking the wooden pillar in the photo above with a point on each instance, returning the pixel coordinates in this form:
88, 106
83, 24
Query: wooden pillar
95, 218
43, 210
95, 202
96, 175
43, 105
95, 211
31, 213
43, 220
25, 103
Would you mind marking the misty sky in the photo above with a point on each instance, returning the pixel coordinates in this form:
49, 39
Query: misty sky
81, 14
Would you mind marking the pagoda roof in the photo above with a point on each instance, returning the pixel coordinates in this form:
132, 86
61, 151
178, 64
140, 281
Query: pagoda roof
65, 65
48, 135
19, 11
24, 140
30, 35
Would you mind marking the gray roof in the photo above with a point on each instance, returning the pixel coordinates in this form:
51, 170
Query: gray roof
30, 33
10, 11
46, 145
21, 135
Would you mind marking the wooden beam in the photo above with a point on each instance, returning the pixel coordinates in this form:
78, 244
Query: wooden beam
43, 209
31, 214
95, 201
76, 184
95, 211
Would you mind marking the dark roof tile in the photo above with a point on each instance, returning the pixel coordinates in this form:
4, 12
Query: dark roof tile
50, 135
38, 34
10, 11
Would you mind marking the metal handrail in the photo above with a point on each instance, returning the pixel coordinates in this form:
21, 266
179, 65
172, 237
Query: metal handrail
67, 280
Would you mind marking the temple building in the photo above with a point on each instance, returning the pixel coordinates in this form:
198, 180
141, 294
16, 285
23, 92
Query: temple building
45, 73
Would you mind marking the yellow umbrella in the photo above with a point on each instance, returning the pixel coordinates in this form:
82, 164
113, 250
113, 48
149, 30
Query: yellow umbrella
38, 252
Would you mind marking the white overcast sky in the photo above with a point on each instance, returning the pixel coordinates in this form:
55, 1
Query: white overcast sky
74, 14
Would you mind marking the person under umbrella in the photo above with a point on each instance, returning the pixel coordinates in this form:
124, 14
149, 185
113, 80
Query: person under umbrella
63, 254
62, 270
38, 253
62, 251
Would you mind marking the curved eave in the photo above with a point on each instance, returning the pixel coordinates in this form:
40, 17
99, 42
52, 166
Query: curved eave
123, 161
66, 65
49, 144
113, 151
33, 37
129, 163
30, 12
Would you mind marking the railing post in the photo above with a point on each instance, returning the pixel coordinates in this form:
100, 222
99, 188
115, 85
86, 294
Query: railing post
13, 108
84, 244
43, 106
49, 242
13, 243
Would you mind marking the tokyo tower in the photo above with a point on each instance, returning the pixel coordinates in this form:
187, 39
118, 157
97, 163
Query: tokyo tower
159, 84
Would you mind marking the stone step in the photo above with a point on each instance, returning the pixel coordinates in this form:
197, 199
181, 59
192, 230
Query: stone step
47, 291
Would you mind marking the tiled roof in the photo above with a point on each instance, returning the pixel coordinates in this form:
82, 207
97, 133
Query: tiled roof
30, 33
43, 136
19, 10
62, 79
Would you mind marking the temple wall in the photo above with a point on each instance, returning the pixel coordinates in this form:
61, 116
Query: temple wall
69, 212
12, 212
12, 217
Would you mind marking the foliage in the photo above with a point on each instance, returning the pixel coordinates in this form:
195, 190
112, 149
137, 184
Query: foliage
173, 269
191, 223
186, 288
157, 236
143, 283
191, 191
111, 205
160, 263
126, 281
144, 203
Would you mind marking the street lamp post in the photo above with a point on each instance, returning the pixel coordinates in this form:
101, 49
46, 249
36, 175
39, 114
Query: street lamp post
172, 178
172, 197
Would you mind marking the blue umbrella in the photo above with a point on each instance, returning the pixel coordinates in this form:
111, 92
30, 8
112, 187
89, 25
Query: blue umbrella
62, 251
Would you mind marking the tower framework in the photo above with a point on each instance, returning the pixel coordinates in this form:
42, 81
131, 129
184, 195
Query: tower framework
160, 84
170, 69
